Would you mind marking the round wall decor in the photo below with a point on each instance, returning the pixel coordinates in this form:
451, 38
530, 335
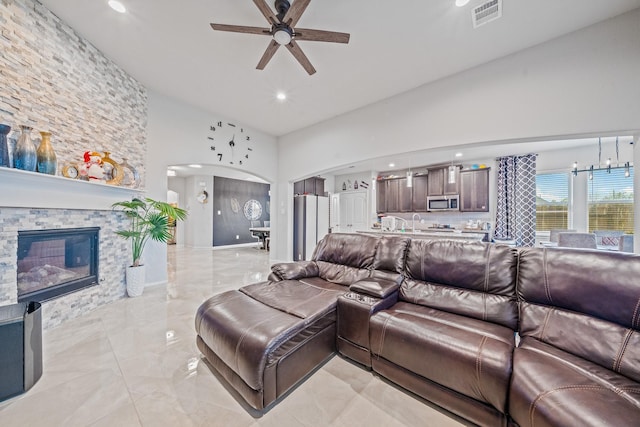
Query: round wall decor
252, 210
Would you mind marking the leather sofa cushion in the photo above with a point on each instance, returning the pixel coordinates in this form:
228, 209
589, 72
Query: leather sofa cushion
341, 274
471, 279
607, 282
586, 303
245, 333
477, 266
301, 299
469, 356
376, 287
553, 388
349, 250
391, 253
294, 270
223, 323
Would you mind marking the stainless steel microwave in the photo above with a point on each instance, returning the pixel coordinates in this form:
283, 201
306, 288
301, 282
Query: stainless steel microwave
443, 203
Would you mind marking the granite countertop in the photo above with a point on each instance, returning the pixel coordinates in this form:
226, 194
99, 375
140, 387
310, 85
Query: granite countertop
442, 234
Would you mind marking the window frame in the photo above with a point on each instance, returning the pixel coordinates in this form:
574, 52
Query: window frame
570, 204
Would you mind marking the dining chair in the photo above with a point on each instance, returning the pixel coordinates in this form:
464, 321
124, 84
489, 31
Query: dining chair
553, 233
254, 234
608, 237
626, 243
577, 240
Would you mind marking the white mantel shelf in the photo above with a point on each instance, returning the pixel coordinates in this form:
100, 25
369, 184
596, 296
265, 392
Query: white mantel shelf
22, 189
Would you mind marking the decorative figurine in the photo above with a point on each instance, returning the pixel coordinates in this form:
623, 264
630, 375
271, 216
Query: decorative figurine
92, 168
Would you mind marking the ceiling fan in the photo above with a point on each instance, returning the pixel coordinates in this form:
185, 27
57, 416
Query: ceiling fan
283, 32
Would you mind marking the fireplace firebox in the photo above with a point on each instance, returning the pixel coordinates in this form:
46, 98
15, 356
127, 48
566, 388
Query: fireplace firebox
56, 262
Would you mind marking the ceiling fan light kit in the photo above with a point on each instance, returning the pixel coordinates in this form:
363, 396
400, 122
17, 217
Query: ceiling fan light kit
283, 31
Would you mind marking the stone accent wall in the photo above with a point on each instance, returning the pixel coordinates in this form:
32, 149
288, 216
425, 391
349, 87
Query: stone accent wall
114, 253
54, 80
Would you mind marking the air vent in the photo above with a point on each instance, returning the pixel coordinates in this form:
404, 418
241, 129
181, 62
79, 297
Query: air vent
486, 12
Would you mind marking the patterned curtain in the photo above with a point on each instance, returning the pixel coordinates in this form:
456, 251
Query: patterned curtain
516, 214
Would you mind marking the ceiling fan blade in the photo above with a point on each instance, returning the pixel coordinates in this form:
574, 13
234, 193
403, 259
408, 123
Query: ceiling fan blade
241, 29
301, 57
295, 11
267, 12
321, 36
268, 54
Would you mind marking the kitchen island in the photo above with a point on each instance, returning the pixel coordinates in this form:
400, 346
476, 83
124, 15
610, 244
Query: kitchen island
432, 234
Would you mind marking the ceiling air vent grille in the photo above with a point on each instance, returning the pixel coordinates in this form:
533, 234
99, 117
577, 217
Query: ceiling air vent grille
486, 12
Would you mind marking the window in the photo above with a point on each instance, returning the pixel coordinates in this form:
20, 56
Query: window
611, 201
552, 201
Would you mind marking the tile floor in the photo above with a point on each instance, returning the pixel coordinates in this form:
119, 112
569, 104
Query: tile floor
135, 363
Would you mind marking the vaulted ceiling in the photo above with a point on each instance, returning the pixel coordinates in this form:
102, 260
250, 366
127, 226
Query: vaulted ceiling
394, 47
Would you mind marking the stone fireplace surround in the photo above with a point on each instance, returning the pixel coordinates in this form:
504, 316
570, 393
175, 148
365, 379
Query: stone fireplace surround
33, 201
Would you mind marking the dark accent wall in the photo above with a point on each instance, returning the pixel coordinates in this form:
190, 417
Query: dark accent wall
231, 221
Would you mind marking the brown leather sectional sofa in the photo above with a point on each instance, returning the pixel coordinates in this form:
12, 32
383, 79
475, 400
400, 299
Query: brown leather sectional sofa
442, 319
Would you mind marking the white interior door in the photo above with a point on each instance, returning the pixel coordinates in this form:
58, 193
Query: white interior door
353, 211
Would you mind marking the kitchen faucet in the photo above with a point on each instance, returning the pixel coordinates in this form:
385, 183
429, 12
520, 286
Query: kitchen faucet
413, 221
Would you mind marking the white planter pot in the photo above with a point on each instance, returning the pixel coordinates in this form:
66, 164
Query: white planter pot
135, 280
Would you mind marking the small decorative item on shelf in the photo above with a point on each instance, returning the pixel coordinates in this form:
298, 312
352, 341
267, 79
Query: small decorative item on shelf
131, 176
5, 160
92, 168
113, 171
71, 170
46, 157
25, 156
12, 141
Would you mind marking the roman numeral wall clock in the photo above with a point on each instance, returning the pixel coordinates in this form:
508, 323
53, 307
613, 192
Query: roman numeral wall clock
230, 144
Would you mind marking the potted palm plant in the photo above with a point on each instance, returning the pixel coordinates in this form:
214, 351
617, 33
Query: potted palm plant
150, 219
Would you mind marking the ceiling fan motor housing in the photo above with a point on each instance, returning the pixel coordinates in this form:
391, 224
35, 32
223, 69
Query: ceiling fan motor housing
282, 6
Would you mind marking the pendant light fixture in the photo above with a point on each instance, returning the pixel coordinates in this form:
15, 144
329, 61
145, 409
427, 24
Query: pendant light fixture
608, 164
409, 179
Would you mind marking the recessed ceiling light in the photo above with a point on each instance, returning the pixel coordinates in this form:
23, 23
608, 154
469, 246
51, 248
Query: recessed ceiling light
195, 166
171, 172
458, 154
281, 96
461, 3
392, 165
117, 6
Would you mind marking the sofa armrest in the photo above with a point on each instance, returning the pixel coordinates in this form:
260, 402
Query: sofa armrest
375, 287
295, 270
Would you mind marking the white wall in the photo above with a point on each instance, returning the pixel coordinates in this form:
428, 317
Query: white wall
177, 134
584, 83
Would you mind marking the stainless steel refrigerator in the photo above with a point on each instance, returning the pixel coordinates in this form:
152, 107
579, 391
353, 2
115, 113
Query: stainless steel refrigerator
310, 224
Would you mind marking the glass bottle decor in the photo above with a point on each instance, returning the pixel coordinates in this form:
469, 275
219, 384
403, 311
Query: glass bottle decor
47, 161
4, 146
25, 157
113, 171
131, 175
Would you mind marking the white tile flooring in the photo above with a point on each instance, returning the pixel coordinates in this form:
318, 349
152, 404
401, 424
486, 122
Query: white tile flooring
135, 363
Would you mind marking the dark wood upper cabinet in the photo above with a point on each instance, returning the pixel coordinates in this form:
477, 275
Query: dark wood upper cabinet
474, 190
439, 184
435, 180
392, 195
452, 187
420, 188
381, 196
405, 196
313, 185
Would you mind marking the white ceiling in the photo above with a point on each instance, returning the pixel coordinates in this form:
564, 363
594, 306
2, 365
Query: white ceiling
395, 46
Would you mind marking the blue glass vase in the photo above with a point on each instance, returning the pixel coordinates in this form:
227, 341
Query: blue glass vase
25, 156
47, 162
4, 146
